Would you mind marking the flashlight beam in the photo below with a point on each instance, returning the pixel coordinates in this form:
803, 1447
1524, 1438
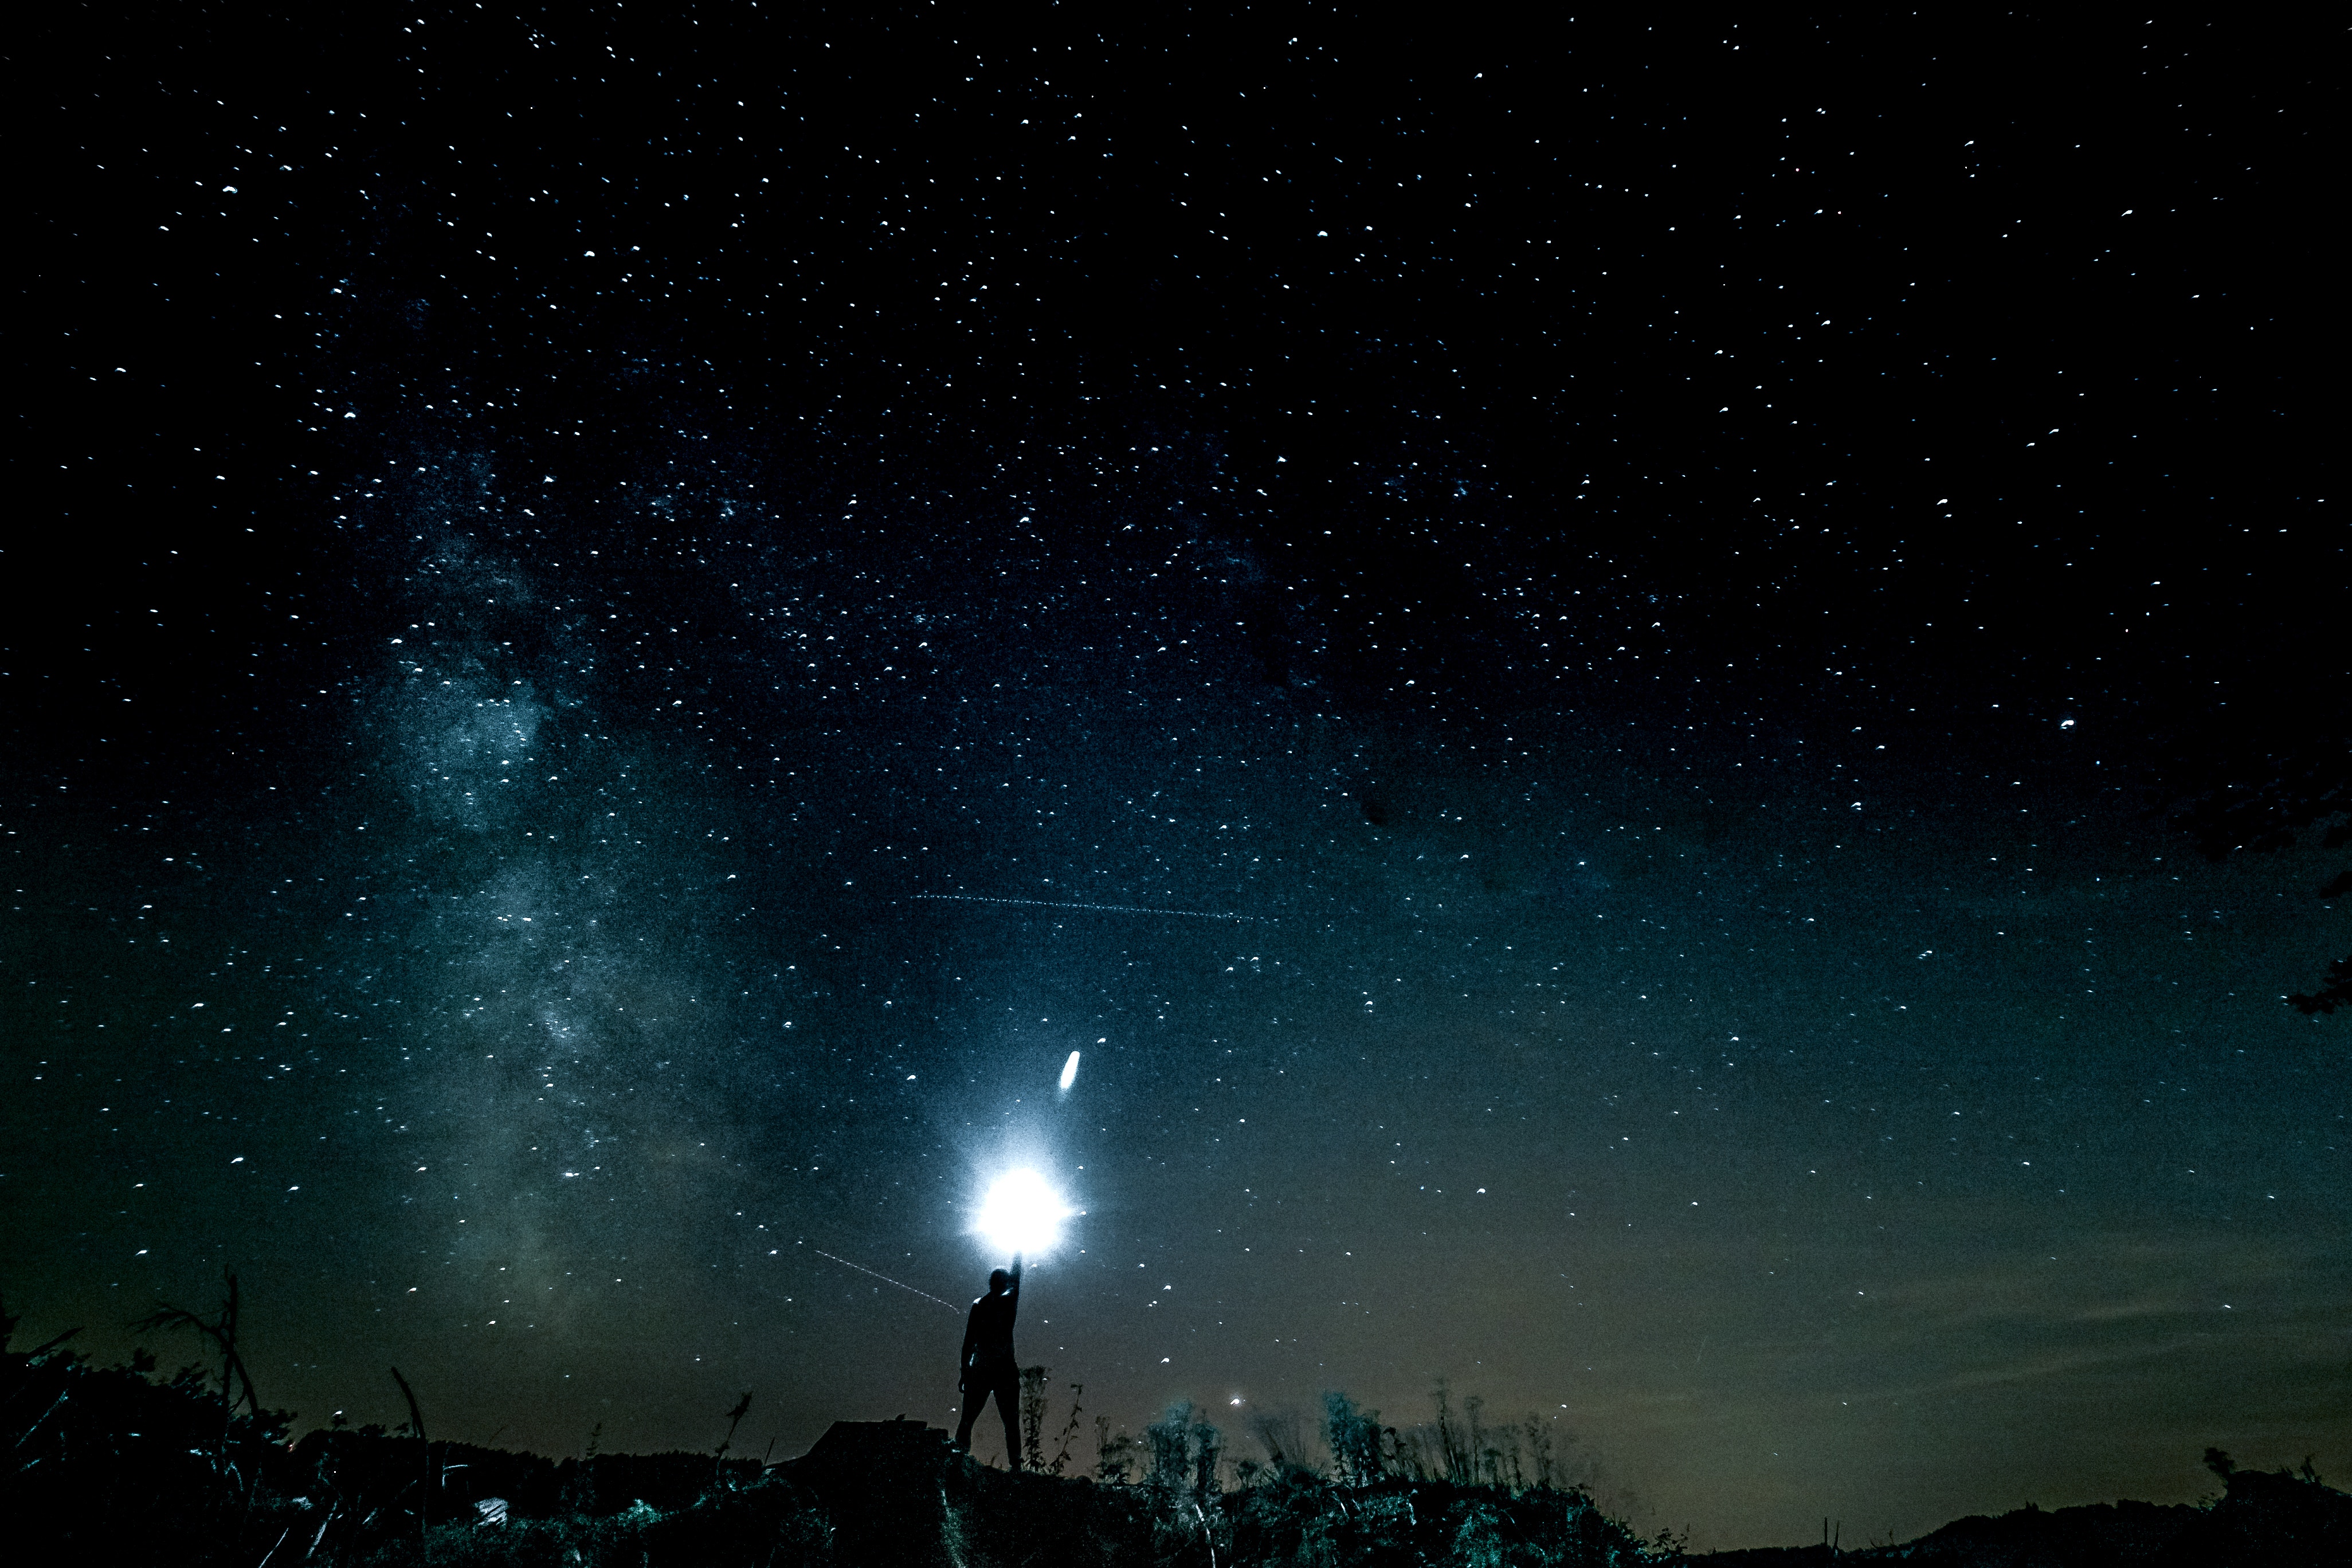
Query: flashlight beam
1022, 1214
886, 1280
1107, 908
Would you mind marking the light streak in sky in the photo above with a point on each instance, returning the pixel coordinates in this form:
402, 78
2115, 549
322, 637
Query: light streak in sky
1107, 908
886, 1280
1070, 1072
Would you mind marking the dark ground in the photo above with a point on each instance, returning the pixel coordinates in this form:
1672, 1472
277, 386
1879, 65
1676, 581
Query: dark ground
111, 1465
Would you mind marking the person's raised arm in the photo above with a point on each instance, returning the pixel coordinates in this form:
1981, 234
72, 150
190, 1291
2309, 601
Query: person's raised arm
1014, 1289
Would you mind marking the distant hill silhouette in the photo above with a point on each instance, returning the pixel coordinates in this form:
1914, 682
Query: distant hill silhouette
2263, 1520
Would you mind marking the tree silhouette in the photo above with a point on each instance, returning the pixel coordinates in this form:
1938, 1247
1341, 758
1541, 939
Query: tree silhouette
221, 1330
2247, 796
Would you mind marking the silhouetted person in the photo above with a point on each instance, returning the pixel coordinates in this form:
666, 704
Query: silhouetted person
988, 1365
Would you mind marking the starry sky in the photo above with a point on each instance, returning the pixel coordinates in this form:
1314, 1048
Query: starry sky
1560, 654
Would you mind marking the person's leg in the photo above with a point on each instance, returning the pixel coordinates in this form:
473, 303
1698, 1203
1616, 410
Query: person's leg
975, 1395
1008, 1404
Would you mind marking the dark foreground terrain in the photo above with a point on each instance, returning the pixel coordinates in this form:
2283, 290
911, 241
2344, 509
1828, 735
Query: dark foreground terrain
113, 1466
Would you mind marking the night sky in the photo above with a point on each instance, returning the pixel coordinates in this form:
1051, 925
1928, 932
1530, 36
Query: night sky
1560, 654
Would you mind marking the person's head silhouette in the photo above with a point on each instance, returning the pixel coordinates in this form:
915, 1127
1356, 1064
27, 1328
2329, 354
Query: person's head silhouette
997, 1280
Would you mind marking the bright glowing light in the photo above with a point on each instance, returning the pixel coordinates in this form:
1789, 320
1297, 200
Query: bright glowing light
1070, 1072
1022, 1214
